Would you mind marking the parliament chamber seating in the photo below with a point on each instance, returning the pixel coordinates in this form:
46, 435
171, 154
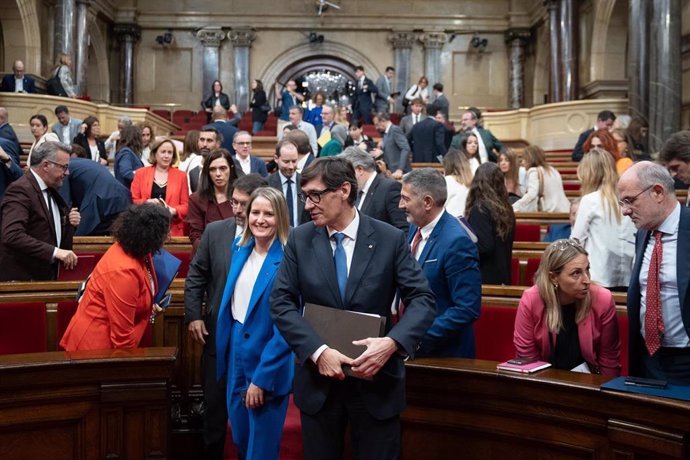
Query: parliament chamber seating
527, 232
22, 327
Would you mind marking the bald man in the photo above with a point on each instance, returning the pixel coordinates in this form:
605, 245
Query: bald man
18, 82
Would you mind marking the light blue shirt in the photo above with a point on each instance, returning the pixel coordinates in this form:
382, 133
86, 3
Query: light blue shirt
674, 335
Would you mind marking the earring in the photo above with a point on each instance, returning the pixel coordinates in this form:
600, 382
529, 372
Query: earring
555, 285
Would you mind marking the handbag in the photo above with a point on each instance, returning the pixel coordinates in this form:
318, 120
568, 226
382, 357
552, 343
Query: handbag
54, 85
265, 107
540, 197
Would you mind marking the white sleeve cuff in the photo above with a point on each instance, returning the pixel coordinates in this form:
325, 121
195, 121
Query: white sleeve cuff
317, 353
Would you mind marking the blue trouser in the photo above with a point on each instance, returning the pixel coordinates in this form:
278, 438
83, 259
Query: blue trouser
255, 432
257, 126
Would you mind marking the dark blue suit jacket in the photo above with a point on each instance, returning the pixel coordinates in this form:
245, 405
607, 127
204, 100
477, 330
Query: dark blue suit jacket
8, 84
450, 261
381, 264
9, 142
126, 162
8, 174
256, 166
228, 131
636, 342
98, 195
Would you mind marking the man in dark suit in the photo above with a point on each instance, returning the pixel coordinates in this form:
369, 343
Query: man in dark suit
205, 282
394, 146
605, 120
415, 116
9, 171
10, 149
440, 103
224, 127
209, 140
658, 302
100, 197
287, 180
450, 261
427, 141
315, 269
7, 133
448, 129
36, 226
378, 196
18, 82
362, 99
385, 88
242, 144
489, 146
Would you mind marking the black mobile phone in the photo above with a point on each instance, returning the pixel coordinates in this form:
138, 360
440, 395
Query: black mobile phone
521, 361
646, 383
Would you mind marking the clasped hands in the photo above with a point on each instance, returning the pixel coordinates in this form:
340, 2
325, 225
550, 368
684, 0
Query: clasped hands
366, 365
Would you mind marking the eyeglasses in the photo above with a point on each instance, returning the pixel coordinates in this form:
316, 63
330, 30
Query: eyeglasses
628, 202
244, 143
64, 168
314, 196
238, 204
562, 245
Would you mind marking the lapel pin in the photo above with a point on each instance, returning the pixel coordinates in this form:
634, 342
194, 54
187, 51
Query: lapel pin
371, 246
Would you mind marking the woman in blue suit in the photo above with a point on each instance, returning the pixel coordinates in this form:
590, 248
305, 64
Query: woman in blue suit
250, 351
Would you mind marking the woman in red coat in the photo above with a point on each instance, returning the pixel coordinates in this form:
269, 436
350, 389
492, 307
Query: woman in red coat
118, 301
163, 185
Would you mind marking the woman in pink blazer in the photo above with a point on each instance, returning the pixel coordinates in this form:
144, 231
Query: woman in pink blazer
163, 185
564, 319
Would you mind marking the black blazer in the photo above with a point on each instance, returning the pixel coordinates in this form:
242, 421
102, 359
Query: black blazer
82, 140
224, 101
274, 181
258, 99
427, 141
495, 254
8, 84
382, 202
381, 264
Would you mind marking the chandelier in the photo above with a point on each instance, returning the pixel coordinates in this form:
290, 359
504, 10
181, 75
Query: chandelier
334, 85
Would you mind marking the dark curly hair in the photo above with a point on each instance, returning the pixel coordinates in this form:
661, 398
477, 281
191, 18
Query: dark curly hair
488, 190
142, 229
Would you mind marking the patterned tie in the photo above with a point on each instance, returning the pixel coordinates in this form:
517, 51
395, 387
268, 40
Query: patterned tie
290, 203
653, 322
415, 244
340, 263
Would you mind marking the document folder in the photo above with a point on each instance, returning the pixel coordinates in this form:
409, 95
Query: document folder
166, 267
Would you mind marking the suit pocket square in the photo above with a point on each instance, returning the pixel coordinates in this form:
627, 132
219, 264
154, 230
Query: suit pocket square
430, 261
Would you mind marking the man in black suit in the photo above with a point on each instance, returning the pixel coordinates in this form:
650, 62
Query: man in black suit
440, 103
378, 196
225, 127
427, 141
287, 180
362, 99
7, 132
18, 82
448, 129
315, 269
206, 281
605, 120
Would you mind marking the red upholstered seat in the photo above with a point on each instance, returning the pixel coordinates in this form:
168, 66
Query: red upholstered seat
370, 130
65, 311
162, 113
395, 118
571, 186
494, 333
22, 327
532, 265
515, 271
527, 232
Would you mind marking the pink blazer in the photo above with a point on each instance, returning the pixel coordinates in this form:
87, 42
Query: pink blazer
598, 332
176, 194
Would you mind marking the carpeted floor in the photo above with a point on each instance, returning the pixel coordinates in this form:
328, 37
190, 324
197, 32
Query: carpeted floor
290, 446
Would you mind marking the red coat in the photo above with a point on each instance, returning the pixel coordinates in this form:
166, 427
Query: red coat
598, 331
176, 194
116, 307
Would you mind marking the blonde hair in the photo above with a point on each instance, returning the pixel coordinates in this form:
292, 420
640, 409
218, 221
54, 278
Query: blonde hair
512, 177
597, 172
157, 144
277, 200
456, 165
556, 255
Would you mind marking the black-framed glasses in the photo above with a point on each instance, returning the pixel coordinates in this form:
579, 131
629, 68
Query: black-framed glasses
627, 202
314, 196
64, 168
238, 204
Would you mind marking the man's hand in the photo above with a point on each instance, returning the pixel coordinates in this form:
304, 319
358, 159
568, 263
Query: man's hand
67, 257
331, 363
74, 217
103, 161
82, 128
254, 398
4, 156
379, 349
397, 175
197, 330
233, 108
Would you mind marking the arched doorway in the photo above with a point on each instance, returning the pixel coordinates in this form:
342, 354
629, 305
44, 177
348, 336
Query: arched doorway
325, 74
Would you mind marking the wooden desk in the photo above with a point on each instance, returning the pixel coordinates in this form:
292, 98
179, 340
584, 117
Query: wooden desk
465, 409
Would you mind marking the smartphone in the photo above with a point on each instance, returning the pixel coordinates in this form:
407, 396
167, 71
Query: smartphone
645, 383
521, 361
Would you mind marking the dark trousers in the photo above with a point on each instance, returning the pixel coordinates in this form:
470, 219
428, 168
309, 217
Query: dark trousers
670, 364
216, 412
323, 433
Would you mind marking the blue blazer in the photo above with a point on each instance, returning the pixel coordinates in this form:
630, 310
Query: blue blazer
256, 165
8, 84
126, 162
8, 174
268, 361
636, 342
450, 261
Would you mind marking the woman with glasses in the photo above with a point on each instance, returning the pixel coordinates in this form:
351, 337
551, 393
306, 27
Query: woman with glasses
213, 200
250, 351
564, 318
604, 232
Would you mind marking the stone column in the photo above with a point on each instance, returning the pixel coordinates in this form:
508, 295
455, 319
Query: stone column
64, 27
242, 40
433, 43
210, 37
82, 61
516, 39
127, 34
664, 72
568, 49
638, 58
554, 67
402, 47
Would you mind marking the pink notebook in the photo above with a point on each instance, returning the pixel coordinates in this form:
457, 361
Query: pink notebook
526, 368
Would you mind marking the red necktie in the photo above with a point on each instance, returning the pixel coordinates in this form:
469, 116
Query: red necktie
653, 322
415, 243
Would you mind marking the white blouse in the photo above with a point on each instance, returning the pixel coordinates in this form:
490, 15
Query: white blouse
245, 285
457, 197
554, 195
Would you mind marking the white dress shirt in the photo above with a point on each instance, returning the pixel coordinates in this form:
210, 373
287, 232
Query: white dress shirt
426, 232
674, 330
65, 135
245, 164
19, 85
50, 203
365, 190
245, 285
